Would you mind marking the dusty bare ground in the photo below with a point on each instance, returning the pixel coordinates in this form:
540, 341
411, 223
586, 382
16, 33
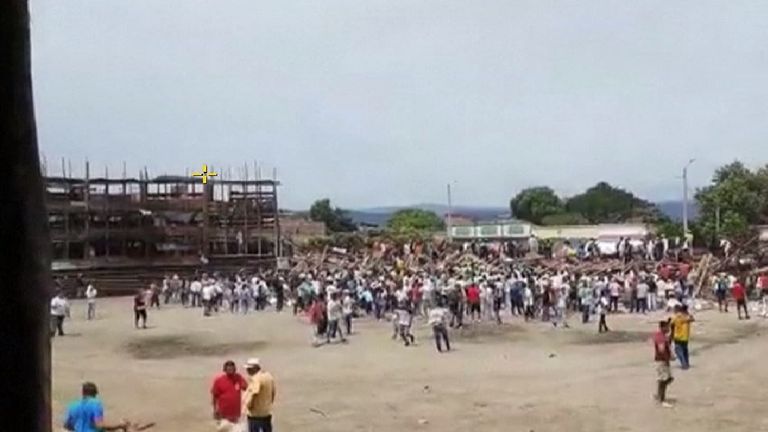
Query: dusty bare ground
519, 377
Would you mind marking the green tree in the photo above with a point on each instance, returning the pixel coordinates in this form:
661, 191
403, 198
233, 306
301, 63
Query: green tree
535, 203
335, 219
564, 219
736, 199
410, 220
603, 203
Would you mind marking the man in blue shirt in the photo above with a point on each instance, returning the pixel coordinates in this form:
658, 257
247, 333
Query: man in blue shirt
87, 414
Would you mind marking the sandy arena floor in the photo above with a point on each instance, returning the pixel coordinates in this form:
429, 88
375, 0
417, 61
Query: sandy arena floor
518, 377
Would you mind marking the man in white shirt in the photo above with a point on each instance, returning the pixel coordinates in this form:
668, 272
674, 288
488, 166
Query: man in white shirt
437, 319
207, 294
642, 295
195, 289
348, 310
59, 310
90, 294
528, 302
335, 314
615, 288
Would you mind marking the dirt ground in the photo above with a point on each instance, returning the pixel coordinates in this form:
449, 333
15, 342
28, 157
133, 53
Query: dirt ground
517, 377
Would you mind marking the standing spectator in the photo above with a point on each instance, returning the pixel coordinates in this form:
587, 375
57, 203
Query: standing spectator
348, 310
721, 291
154, 296
681, 333
602, 310
319, 318
140, 309
335, 314
653, 289
259, 397
59, 311
473, 300
90, 295
662, 357
641, 293
585, 297
226, 396
195, 290
437, 319
740, 295
615, 288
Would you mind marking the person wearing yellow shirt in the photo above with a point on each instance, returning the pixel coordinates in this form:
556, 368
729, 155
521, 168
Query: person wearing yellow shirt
681, 333
259, 397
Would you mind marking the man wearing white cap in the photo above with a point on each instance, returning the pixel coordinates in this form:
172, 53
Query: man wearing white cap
259, 397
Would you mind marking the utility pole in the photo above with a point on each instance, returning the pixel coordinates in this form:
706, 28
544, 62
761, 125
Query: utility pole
685, 197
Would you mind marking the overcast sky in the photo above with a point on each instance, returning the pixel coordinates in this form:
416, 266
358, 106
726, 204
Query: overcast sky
383, 102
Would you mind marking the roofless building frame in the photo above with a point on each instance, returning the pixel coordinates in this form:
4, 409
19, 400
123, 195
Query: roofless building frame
168, 218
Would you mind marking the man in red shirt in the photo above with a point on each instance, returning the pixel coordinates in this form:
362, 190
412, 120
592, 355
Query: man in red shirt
662, 357
740, 295
226, 397
473, 300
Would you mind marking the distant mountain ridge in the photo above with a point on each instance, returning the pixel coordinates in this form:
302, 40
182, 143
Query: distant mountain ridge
379, 216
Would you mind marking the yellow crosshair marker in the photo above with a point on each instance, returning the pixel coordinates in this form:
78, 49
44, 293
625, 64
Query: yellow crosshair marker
205, 174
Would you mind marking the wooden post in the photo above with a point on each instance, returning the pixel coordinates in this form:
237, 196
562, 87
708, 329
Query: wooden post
276, 235
225, 218
246, 203
67, 213
204, 246
25, 270
125, 229
87, 198
106, 211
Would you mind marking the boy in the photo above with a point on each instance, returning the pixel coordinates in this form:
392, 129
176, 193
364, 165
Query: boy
662, 357
404, 324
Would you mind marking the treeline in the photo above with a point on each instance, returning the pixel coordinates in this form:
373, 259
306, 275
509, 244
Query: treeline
735, 201
602, 203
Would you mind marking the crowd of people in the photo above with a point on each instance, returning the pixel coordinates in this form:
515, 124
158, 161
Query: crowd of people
444, 293
471, 286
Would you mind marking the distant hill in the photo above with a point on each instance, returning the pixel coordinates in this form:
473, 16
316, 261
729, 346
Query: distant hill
380, 215
674, 209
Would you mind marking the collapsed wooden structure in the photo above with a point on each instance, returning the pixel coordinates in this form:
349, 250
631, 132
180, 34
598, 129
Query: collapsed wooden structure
168, 221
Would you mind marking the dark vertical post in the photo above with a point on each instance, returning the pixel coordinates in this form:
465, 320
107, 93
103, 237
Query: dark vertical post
67, 208
25, 265
276, 234
123, 213
205, 201
106, 211
87, 197
246, 203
